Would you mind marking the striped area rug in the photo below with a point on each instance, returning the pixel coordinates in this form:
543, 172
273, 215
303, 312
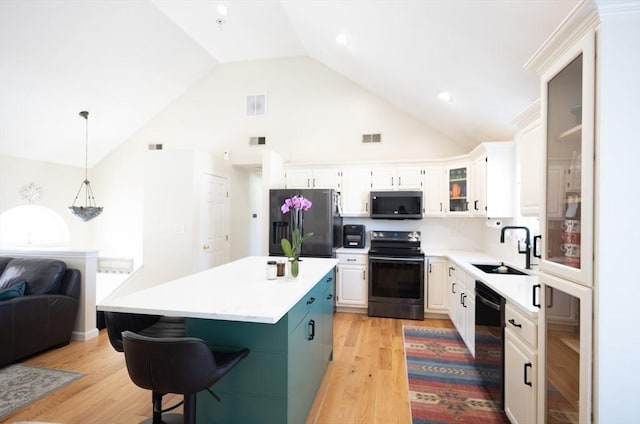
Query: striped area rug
444, 385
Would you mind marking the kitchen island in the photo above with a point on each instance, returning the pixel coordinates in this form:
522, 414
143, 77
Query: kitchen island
286, 323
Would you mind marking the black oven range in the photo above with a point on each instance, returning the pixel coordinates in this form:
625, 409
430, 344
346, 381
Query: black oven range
396, 275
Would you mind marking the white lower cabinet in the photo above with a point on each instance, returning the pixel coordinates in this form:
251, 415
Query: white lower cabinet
437, 297
462, 310
352, 284
520, 367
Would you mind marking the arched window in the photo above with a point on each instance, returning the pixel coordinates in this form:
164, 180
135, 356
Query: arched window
31, 225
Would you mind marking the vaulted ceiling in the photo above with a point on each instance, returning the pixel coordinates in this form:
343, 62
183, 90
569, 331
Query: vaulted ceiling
126, 60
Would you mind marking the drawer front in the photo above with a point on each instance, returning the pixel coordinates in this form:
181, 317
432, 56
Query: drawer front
352, 259
521, 325
302, 308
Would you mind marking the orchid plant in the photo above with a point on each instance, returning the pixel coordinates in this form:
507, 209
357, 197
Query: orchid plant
295, 205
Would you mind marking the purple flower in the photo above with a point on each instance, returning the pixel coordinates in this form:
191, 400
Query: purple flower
297, 203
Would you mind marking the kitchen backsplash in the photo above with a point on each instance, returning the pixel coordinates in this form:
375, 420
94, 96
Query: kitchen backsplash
461, 234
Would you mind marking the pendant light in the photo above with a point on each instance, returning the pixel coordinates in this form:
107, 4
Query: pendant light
89, 210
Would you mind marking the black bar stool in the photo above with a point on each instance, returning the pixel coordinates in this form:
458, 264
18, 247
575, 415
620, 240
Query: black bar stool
181, 365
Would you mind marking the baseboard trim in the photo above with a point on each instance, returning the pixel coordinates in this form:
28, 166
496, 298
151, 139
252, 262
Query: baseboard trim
83, 336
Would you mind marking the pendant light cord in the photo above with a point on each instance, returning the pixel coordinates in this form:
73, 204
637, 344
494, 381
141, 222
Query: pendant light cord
85, 115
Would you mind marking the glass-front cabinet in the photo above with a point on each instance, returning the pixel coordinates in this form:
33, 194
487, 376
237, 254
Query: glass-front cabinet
566, 344
568, 97
458, 190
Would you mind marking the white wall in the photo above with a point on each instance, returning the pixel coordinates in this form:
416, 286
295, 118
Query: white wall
59, 185
313, 114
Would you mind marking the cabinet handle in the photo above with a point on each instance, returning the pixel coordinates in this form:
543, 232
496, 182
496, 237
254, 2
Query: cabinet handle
462, 299
440, 206
364, 275
330, 279
391, 181
453, 288
308, 182
429, 268
329, 296
312, 329
513, 322
366, 207
399, 181
451, 269
314, 182
526, 374
537, 240
549, 296
535, 301
311, 300
475, 205
351, 259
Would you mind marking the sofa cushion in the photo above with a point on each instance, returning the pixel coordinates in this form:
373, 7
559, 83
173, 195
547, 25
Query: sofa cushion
4, 260
42, 275
16, 290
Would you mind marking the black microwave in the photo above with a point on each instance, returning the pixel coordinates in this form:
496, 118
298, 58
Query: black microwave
396, 204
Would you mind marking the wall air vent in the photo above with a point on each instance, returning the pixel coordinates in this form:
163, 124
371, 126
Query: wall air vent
372, 138
155, 146
256, 105
257, 141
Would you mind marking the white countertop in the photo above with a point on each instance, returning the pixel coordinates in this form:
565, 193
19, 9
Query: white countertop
516, 289
236, 291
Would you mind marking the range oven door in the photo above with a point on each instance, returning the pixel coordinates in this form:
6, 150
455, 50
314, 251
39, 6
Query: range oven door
396, 287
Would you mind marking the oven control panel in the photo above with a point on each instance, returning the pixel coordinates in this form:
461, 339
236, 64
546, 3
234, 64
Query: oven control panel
400, 236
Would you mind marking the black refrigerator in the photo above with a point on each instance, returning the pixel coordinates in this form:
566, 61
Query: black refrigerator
323, 219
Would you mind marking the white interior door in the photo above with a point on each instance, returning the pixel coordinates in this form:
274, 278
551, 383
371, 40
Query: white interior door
214, 246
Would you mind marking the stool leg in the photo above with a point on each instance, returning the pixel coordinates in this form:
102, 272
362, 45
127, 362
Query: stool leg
156, 398
189, 408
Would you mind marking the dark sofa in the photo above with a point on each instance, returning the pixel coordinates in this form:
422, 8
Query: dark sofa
39, 301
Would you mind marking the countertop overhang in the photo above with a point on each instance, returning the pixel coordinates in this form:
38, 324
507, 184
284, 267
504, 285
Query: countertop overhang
235, 291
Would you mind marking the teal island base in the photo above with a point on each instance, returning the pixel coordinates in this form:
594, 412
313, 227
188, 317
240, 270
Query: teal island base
278, 381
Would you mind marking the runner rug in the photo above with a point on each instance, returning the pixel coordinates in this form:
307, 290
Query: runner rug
21, 385
444, 385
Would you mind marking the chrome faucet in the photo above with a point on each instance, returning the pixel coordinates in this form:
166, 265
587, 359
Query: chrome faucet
527, 243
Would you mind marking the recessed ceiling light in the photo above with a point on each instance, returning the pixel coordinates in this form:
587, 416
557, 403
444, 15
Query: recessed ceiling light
445, 96
222, 9
343, 40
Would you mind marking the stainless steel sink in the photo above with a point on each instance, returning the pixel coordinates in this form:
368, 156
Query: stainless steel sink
496, 269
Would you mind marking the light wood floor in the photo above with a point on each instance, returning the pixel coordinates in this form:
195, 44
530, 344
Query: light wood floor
365, 383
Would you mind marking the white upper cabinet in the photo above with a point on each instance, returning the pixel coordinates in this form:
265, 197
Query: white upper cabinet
397, 178
327, 178
298, 178
313, 178
568, 116
478, 182
356, 185
435, 191
529, 147
492, 180
458, 183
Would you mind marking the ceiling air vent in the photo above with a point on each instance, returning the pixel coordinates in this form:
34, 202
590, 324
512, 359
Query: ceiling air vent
155, 146
257, 141
256, 105
372, 138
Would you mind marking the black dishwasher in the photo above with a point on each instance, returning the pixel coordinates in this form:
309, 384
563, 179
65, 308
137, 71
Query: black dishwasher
490, 341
